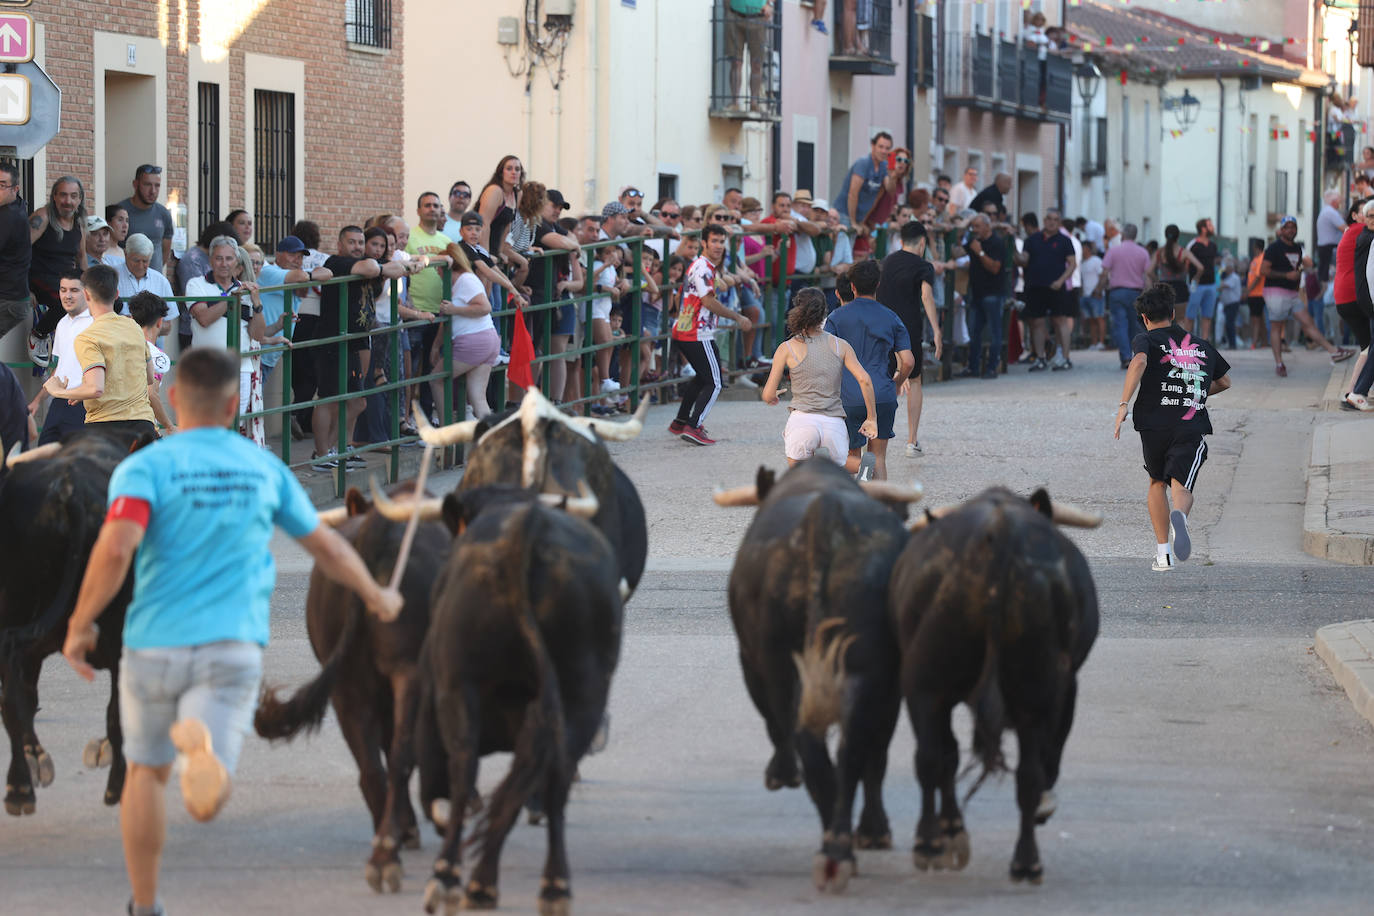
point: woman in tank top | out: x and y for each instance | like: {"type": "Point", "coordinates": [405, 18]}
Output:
{"type": "Point", "coordinates": [1171, 267]}
{"type": "Point", "coordinates": [816, 361]}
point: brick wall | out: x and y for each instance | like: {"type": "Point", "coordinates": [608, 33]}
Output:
{"type": "Point", "coordinates": [351, 113]}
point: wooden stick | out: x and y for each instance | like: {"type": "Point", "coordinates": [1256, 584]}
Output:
{"type": "Point", "coordinates": [411, 526]}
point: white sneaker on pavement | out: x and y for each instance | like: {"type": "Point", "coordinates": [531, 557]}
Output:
{"type": "Point", "coordinates": [913, 450]}
{"type": "Point", "coordinates": [867, 465]}
{"type": "Point", "coordinates": [1164, 563]}
{"type": "Point", "coordinates": [1183, 545]}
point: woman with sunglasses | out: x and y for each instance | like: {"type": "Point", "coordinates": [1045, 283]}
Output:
{"type": "Point", "coordinates": [894, 189]}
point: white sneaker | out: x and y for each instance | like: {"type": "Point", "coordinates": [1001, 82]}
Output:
{"type": "Point", "coordinates": [1183, 545]}
{"type": "Point", "coordinates": [1359, 402]}
{"type": "Point", "coordinates": [913, 450]}
{"type": "Point", "coordinates": [688, 371]}
{"type": "Point", "coordinates": [1164, 563]}
{"type": "Point", "coordinates": [468, 414]}
{"type": "Point", "coordinates": [610, 384]}
{"type": "Point", "coordinates": [746, 382]}
{"type": "Point", "coordinates": [40, 349]}
{"type": "Point", "coordinates": [867, 465]}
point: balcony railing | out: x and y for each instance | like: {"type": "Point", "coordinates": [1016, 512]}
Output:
{"type": "Point", "coordinates": [744, 65]}
{"type": "Point", "coordinates": [1007, 77]}
{"type": "Point", "coordinates": [863, 37]}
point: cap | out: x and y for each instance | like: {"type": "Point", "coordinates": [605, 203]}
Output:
{"type": "Point", "coordinates": [803, 196]}
{"type": "Point", "coordinates": [470, 218]}
{"type": "Point", "coordinates": [290, 243]}
{"type": "Point", "coordinates": [95, 224]}
{"type": "Point", "coordinates": [1288, 219]}
{"type": "Point", "coordinates": [614, 208]}
{"type": "Point", "coordinates": [558, 199]}
{"type": "Point", "coordinates": [820, 203]}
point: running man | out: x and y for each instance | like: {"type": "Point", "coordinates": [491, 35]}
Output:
{"type": "Point", "coordinates": [1282, 270]}
{"type": "Point", "coordinates": [198, 509]}
{"type": "Point", "coordinates": [1175, 373]}
{"type": "Point", "coordinates": [694, 334]}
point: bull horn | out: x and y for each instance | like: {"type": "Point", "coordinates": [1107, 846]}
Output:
{"type": "Point", "coordinates": [334, 517]}
{"type": "Point", "coordinates": [453, 434]}
{"type": "Point", "coordinates": [430, 508]}
{"type": "Point", "coordinates": [893, 492]}
{"type": "Point", "coordinates": [1074, 517]}
{"type": "Point", "coordinates": [33, 454]}
{"type": "Point", "coordinates": [737, 496]}
{"type": "Point", "coordinates": [616, 432]}
{"type": "Point", "coordinates": [583, 505]}
{"type": "Point", "coordinates": [931, 515]}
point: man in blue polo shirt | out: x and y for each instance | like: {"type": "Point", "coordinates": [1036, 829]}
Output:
{"type": "Point", "coordinates": [198, 510]}
{"type": "Point", "coordinates": [286, 270]}
{"type": "Point", "coordinates": [875, 332]}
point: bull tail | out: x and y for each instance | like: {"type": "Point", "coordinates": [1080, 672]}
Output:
{"type": "Point", "coordinates": [540, 748]}
{"type": "Point", "coordinates": [820, 664]}
{"type": "Point", "coordinates": [304, 711]}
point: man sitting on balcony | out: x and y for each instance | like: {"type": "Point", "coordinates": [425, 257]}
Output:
{"type": "Point", "coordinates": [746, 26]}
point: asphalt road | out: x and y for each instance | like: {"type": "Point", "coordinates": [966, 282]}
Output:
{"type": "Point", "coordinates": [1214, 765]}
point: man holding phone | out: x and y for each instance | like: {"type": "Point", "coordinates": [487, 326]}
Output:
{"type": "Point", "coordinates": [865, 181]}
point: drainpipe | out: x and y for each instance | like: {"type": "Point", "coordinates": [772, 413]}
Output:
{"type": "Point", "coordinates": [1221, 144]}
{"type": "Point", "coordinates": [775, 151]}
{"type": "Point", "coordinates": [1059, 172]}
{"type": "Point", "coordinates": [1319, 153]}
{"type": "Point", "coordinates": [589, 189]}
{"type": "Point", "coordinates": [912, 75]}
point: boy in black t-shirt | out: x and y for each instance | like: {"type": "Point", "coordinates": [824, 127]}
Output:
{"type": "Point", "coordinates": [1175, 373]}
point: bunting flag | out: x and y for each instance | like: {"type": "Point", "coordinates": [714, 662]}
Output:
{"type": "Point", "coordinates": [1123, 76]}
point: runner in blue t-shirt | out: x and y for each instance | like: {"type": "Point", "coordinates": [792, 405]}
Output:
{"type": "Point", "coordinates": [876, 333]}
{"type": "Point", "coordinates": [194, 514]}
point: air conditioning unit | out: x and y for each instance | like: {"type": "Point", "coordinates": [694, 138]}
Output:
{"type": "Point", "coordinates": [560, 7]}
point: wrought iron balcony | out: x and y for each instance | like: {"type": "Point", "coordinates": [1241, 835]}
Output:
{"type": "Point", "coordinates": [863, 37]}
{"type": "Point", "coordinates": [1006, 77]}
{"type": "Point", "coordinates": [744, 65]}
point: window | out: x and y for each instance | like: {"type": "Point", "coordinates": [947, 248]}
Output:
{"type": "Point", "coordinates": [1252, 151]}
{"type": "Point", "coordinates": [274, 165]}
{"type": "Point", "coordinates": [1125, 131]}
{"type": "Point", "coordinates": [369, 23]}
{"type": "Point", "coordinates": [1302, 163]}
{"type": "Point", "coordinates": [1278, 192]}
{"type": "Point", "coordinates": [806, 166]}
{"type": "Point", "coordinates": [207, 153]}
{"type": "Point", "coordinates": [667, 186]}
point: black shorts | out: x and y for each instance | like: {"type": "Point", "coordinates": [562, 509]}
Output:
{"type": "Point", "coordinates": [916, 330]}
{"type": "Point", "coordinates": [1256, 305]}
{"type": "Point", "coordinates": [1172, 454]}
{"type": "Point", "coordinates": [327, 371]}
{"type": "Point", "coordinates": [885, 413]}
{"type": "Point", "coordinates": [1046, 301]}
{"type": "Point", "coordinates": [127, 432]}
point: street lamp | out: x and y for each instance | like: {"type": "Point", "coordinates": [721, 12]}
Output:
{"type": "Point", "coordinates": [1087, 76]}
{"type": "Point", "coordinates": [1185, 108]}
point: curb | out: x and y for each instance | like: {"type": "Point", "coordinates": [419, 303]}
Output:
{"type": "Point", "coordinates": [1342, 377]}
{"type": "Point", "coordinates": [1348, 650]}
{"type": "Point", "coordinates": [1319, 539]}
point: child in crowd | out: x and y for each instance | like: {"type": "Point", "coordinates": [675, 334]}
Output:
{"type": "Point", "coordinates": [148, 311]}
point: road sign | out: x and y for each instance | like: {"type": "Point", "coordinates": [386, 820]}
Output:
{"type": "Point", "coordinates": [16, 38]}
{"type": "Point", "coordinates": [14, 99]}
{"type": "Point", "coordinates": [30, 109]}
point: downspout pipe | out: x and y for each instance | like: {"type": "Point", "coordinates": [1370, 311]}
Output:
{"type": "Point", "coordinates": [1221, 145]}
{"type": "Point", "coordinates": [775, 152]}
{"type": "Point", "coordinates": [912, 76]}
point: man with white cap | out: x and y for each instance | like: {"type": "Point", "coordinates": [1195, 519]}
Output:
{"type": "Point", "coordinates": [98, 237]}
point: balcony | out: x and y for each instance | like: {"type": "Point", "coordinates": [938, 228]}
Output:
{"type": "Point", "coordinates": [863, 37]}
{"type": "Point", "coordinates": [1007, 78]}
{"type": "Point", "coordinates": [744, 66]}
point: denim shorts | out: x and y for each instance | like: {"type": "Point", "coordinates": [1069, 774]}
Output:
{"type": "Point", "coordinates": [216, 683]}
{"type": "Point", "coordinates": [854, 417]}
{"type": "Point", "coordinates": [1202, 301]}
{"type": "Point", "coordinates": [1093, 306]}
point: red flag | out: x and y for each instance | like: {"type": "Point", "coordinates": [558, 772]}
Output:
{"type": "Point", "coordinates": [521, 353]}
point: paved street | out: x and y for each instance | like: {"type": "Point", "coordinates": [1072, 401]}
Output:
{"type": "Point", "coordinates": [1214, 765]}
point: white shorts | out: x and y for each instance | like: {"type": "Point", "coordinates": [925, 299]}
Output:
{"type": "Point", "coordinates": [806, 432]}
{"type": "Point", "coordinates": [601, 308]}
{"type": "Point", "coordinates": [1281, 304]}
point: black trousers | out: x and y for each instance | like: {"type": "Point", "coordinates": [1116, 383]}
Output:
{"type": "Point", "coordinates": [699, 393]}
{"type": "Point", "coordinates": [303, 381]}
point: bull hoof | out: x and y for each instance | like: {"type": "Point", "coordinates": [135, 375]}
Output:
{"type": "Point", "coordinates": [481, 897]}
{"type": "Point", "coordinates": [928, 854]}
{"type": "Point", "coordinates": [40, 766]}
{"type": "Point", "coordinates": [383, 872]}
{"type": "Point", "coordinates": [555, 897]}
{"type": "Point", "coordinates": [442, 890]}
{"type": "Point", "coordinates": [19, 802]}
{"type": "Point", "coordinates": [863, 840]}
{"type": "Point", "coordinates": [1034, 872]}
{"type": "Point", "coordinates": [956, 854]}
{"type": "Point", "coordinates": [782, 771]}
{"type": "Point", "coordinates": [1045, 810]}
{"type": "Point", "coordinates": [831, 876]}
{"type": "Point", "coordinates": [98, 754]}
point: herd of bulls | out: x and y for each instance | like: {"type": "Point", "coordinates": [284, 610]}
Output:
{"type": "Point", "coordinates": [514, 588]}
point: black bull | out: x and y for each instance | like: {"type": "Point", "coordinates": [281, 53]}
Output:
{"type": "Point", "coordinates": [808, 597]}
{"type": "Point", "coordinates": [996, 608]}
{"type": "Point", "coordinates": [52, 504]}
{"type": "Point", "coordinates": [525, 636]}
{"type": "Point", "coordinates": [368, 673]}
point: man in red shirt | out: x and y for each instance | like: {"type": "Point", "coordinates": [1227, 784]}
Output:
{"type": "Point", "coordinates": [694, 335]}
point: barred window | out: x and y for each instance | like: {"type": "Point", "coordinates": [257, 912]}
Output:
{"type": "Point", "coordinates": [369, 23]}
{"type": "Point", "coordinates": [207, 153]}
{"type": "Point", "coordinates": [274, 166]}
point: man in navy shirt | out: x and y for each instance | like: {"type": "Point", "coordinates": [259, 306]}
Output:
{"type": "Point", "coordinates": [1048, 261]}
{"type": "Point", "coordinates": [875, 332]}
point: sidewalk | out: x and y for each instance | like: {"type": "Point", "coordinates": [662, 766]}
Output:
{"type": "Point", "coordinates": [1339, 520]}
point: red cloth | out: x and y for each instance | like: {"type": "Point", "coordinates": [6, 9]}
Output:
{"type": "Point", "coordinates": [131, 509]}
{"type": "Point", "coordinates": [521, 353]}
{"type": "Point", "coordinates": [1344, 288]}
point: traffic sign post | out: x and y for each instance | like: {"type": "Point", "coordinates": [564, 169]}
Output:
{"type": "Point", "coordinates": [14, 99]}
{"type": "Point", "coordinates": [30, 108]}
{"type": "Point", "coordinates": [16, 38]}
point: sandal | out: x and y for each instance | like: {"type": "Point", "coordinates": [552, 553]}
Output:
{"type": "Point", "coordinates": [1341, 355]}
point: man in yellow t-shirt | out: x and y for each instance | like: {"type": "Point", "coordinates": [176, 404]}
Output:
{"type": "Point", "coordinates": [426, 289]}
{"type": "Point", "coordinates": [114, 361]}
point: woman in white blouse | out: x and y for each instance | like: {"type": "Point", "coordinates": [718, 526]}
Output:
{"type": "Point", "coordinates": [476, 344]}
